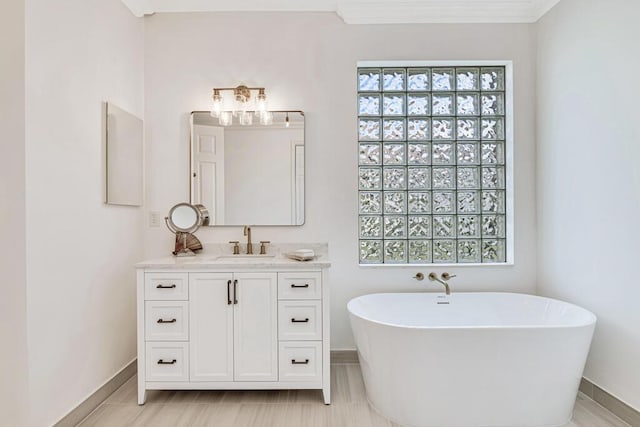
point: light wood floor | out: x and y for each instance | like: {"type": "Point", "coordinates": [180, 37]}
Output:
{"type": "Point", "coordinates": [281, 408]}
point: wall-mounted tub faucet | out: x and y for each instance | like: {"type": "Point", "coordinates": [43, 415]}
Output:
{"type": "Point", "coordinates": [445, 277]}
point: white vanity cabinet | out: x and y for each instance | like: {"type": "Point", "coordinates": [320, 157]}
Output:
{"type": "Point", "coordinates": [206, 326]}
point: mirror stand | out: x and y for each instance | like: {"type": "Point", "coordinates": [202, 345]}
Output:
{"type": "Point", "coordinates": [183, 220]}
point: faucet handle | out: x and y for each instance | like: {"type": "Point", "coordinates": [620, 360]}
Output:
{"type": "Point", "coordinates": [447, 276]}
{"type": "Point", "coordinates": [236, 247]}
{"type": "Point", "coordinates": [263, 246]}
{"type": "Point", "coordinates": [433, 276]}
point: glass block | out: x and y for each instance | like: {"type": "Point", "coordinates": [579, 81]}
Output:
{"type": "Point", "coordinates": [419, 202]}
{"type": "Point", "coordinates": [393, 104]}
{"type": "Point", "coordinates": [467, 104]}
{"type": "Point", "coordinates": [371, 251]}
{"type": "Point", "coordinates": [369, 154]}
{"type": "Point", "coordinates": [395, 202]}
{"type": "Point", "coordinates": [442, 104]}
{"type": "Point", "coordinates": [444, 251]}
{"type": "Point", "coordinates": [492, 104]}
{"type": "Point", "coordinates": [395, 227]}
{"type": "Point", "coordinates": [443, 154]}
{"type": "Point", "coordinates": [369, 130]}
{"type": "Point", "coordinates": [444, 178]}
{"type": "Point", "coordinates": [444, 202]}
{"type": "Point", "coordinates": [442, 129]}
{"type": "Point", "coordinates": [419, 178]}
{"type": "Point", "coordinates": [493, 201]}
{"type": "Point", "coordinates": [393, 79]}
{"type": "Point", "coordinates": [467, 153]}
{"type": "Point", "coordinates": [369, 105]}
{"type": "Point", "coordinates": [395, 178]}
{"type": "Point", "coordinates": [468, 202]}
{"type": "Point", "coordinates": [419, 154]}
{"type": "Point", "coordinates": [418, 79]}
{"type": "Point", "coordinates": [395, 251]}
{"type": "Point", "coordinates": [468, 177]}
{"type": "Point", "coordinates": [493, 153]}
{"type": "Point", "coordinates": [493, 251]}
{"type": "Point", "coordinates": [418, 104]}
{"type": "Point", "coordinates": [492, 78]}
{"type": "Point", "coordinates": [370, 202]}
{"type": "Point", "coordinates": [393, 130]}
{"type": "Point", "coordinates": [467, 79]}
{"type": "Point", "coordinates": [394, 154]}
{"type": "Point", "coordinates": [369, 80]}
{"type": "Point", "coordinates": [468, 129]}
{"type": "Point", "coordinates": [369, 178]}
{"type": "Point", "coordinates": [493, 226]}
{"type": "Point", "coordinates": [468, 226]}
{"type": "Point", "coordinates": [370, 227]}
{"type": "Point", "coordinates": [469, 251]}
{"type": "Point", "coordinates": [492, 128]}
{"type": "Point", "coordinates": [419, 129]}
{"type": "Point", "coordinates": [444, 226]}
{"type": "Point", "coordinates": [493, 177]}
{"type": "Point", "coordinates": [442, 79]}
{"type": "Point", "coordinates": [420, 227]}
{"type": "Point", "coordinates": [419, 251]}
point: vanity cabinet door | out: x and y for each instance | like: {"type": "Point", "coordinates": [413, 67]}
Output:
{"type": "Point", "coordinates": [211, 327]}
{"type": "Point", "coordinates": [256, 327]}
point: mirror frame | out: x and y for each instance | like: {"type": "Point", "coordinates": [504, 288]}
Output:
{"type": "Point", "coordinates": [304, 183]}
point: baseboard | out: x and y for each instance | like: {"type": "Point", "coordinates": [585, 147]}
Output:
{"type": "Point", "coordinates": [614, 405]}
{"type": "Point", "coordinates": [81, 411]}
{"type": "Point", "coordinates": [344, 356]}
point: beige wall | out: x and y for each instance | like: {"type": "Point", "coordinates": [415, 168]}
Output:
{"type": "Point", "coordinates": [589, 177]}
{"type": "Point", "coordinates": [13, 308]}
{"type": "Point", "coordinates": [80, 252]}
{"type": "Point", "coordinates": [308, 61]}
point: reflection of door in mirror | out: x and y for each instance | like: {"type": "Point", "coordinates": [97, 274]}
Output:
{"type": "Point", "coordinates": [208, 170]}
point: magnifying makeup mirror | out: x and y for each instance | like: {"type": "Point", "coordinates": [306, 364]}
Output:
{"type": "Point", "coordinates": [183, 220]}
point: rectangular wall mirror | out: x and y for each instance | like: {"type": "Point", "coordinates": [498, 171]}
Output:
{"type": "Point", "coordinates": [249, 174]}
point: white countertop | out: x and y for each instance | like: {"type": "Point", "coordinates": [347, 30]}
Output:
{"type": "Point", "coordinates": [219, 256]}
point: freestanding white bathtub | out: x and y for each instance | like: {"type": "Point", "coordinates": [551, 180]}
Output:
{"type": "Point", "coordinates": [471, 359]}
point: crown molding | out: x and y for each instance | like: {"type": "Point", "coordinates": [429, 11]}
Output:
{"type": "Point", "coordinates": [368, 11]}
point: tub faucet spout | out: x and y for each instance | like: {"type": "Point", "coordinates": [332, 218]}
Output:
{"type": "Point", "coordinates": [434, 277]}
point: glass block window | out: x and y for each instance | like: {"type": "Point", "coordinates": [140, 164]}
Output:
{"type": "Point", "coordinates": [432, 172]}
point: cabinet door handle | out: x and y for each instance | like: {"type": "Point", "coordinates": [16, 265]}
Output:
{"type": "Point", "coordinates": [294, 320]}
{"type": "Point", "coordinates": [235, 292]}
{"type": "Point", "coordinates": [161, 286]}
{"type": "Point", "coordinates": [293, 285]}
{"type": "Point", "coordinates": [167, 321]}
{"type": "Point", "coordinates": [162, 362]}
{"type": "Point", "coordinates": [295, 362]}
{"type": "Point", "coordinates": [228, 292]}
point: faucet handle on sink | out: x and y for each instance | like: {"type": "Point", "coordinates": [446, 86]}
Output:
{"type": "Point", "coordinates": [263, 246]}
{"type": "Point", "coordinates": [236, 246]}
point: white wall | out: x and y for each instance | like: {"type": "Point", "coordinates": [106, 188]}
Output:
{"type": "Point", "coordinates": [589, 177]}
{"type": "Point", "coordinates": [80, 252]}
{"type": "Point", "coordinates": [13, 308]}
{"type": "Point", "coordinates": [308, 61]}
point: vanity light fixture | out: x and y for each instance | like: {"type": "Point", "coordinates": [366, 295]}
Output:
{"type": "Point", "coordinates": [242, 96]}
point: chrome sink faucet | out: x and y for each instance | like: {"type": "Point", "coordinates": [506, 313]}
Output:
{"type": "Point", "coordinates": [445, 277]}
{"type": "Point", "coordinates": [247, 232]}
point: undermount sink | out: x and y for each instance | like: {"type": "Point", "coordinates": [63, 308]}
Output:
{"type": "Point", "coordinates": [243, 257]}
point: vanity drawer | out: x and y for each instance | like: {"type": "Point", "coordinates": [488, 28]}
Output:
{"type": "Point", "coordinates": [167, 361]}
{"type": "Point", "coordinates": [300, 320]}
{"type": "Point", "coordinates": [166, 286]}
{"type": "Point", "coordinates": [166, 321]}
{"type": "Point", "coordinates": [300, 361]}
{"type": "Point", "coordinates": [303, 285]}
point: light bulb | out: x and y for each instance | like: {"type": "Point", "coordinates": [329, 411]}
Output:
{"type": "Point", "coordinates": [218, 104]}
{"type": "Point", "coordinates": [286, 121]}
{"type": "Point", "coordinates": [226, 118]}
{"type": "Point", "coordinates": [261, 102]}
{"type": "Point", "coordinates": [266, 118]}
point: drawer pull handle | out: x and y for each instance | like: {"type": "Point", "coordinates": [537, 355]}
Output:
{"type": "Point", "coordinates": [161, 286]}
{"type": "Point", "coordinates": [295, 362]}
{"type": "Point", "coordinates": [162, 362]}
{"type": "Point", "coordinates": [167, 321]}
{"type": "Point", "coordinates": [293, 285]}
{"type": "Point", "coordinates": [294, 320]}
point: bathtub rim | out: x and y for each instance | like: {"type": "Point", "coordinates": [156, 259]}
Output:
{"type": "Point", "coordinates": [591, 322]}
